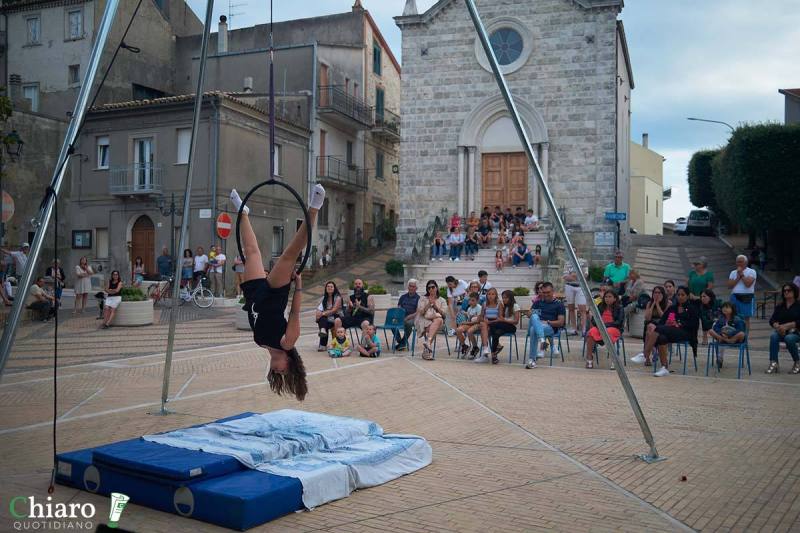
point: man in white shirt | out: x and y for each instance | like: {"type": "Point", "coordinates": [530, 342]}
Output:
{"type": "Point", "coordinates": [483, 279]}
{"type": "Point", "coordinates": [531, 222]}
{"type": "Point", "coordinates": [200, 264]}
{"type": "Point", "coordinates": [456, 291]}
{"type": "Point", "coordinates": [742, 283]}
{"type": "Point", "coordinates": [20, 257]}
{"type": "Point", "coordinates": [456, 243]}
{"type": "Point", "coordinates": [217, 273]}
{"type": "Point", "coordinates": [574, 296]}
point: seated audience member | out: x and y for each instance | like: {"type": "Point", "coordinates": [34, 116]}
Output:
{"type": "Point", "coordinates": [678, 324]}
{"type": "Point", "coordinates": [438, 248]}
{"type": "Point", "coordinates": [456, 292]}
{"type": "Point", "coordinates": [408, 302]}
{"type": "Point", "coordinates": [669, 289]}
{"type": "Point", "coordinates": [484, 232]}
{"type": "Point", "coordinates": [431, 313]}
{"type": "Point", "coordinates": [634, 288]}
{"type": "Point", "coordinates": [455, 221]}
{"type": "Point", "coordinates": [483, 281]}
{"type": "Point", "coordinates": [727, 329]}
{"type": "Point", "coordinates": [40, 301]}
{"type": "Point", "coordinates": [547, 316]}
{"type": "Point", "coordinates": [613, 317]}
{"type": "Point", "coordinates": [502, 235]}
{"type": "Point", "coordinates": [340, 345]}
{"type": "Point", "coordinates": [519, 216]}
{"type": "Point", "coordinates": [653, 311]}
{"type": "Point", "coordinates": [496, 217]}
{"type": "Point", "coordinates": [370, 345]}
{"type": "Point", "coordinates": [537, 255]}
{"type": "Point", "coordinates": [456, 243]}
{"type": "Point", "coordinates": [469, 326]}
{"type": "Point", "coordinates": [490, 314]}
{"type": "Point", "coordinates": [785, 322]}
{"type": "Point", "coordinates": [486, 213]}
{"type": "Point", "coordinates": [709, 312]}
{"type": "Point", "coordinates": [360, 307]}
{"type": "Point", "coordinates": [618, 272]}
{"type": "Point", "coordinates": [531, 221]}
{"type": "Point", "coordinates": [473, 221]}
{"type": "Point", "coordinates": [699, 278]}
{"type": "Point", "coordinates": [506, 323]}
{"type": "Point", "coordinates": [522, 253]}
{"type": "Point", "coordinates": [471, 244]}
{"type": "Point", "coordinates": [508, 215]}
{"type": "Point", "coordinates": [328, 310]}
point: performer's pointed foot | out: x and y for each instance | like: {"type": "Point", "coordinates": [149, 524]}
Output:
{"type": "Point", "coordinates": [317, 197]}
{"type": "Point", "coordinates": [237, 202]}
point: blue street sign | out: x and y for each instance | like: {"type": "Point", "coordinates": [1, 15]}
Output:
{"type": "Point", "coordinates": [610, 215]}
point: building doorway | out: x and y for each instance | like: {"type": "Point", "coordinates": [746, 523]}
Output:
{"type": "Point", "coordinates": [505, 180]}
{"type": "Point", "coordinates": [143, 243]}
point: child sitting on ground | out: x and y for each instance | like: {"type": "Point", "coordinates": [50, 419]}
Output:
{"type": "Point", "coordinates": [370, 345]}
{"type": "Point", "coordinates": [340, 344]}
{"type": "Point", "coordinates": [469, 326]}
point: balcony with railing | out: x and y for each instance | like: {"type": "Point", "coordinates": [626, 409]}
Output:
{"type": "Point", "coordinates": [387, 125]}
{"type": "Point", "coordinates": [135, 180]}
{"type": "Point", "coordinates": [335, 172]}
{"type": "Point", "coordinates": [346, 109]}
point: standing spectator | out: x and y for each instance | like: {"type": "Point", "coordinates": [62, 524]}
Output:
{"type": "Point", "coordinates": [431, 313]}
{"type": "Point", "coordinates": [754, 255]}
{"type": "Point", "coordinates": [742, 283]}
{"type": "Point", "coordinates": [498, 260]}
{"type": "Point", "coordinates": [4, 293]}
{"type": "Point", "coordinates": [83, 284]}
{"type": "Point", "coordinates": [138, 272]}
{"type": "Point", "coordinates": [531, 222]}
{"type": "Point", "coordinates": [785, 321]}
{"type": "Point", "coordinates": [617, 272]}
{"type": "Point", "coordinates": [187, 267]}
{"type": "Point", "coordinates": [113, 299]}
{"type": "Point", "coordinates": [709, 312]}
{"type": "Point", "coordinates": [218, 274]}
{"type": "Point", "coordinates": [522, 253]}
{"type": "Point", "coordinates": [39, 301]}
{"type": "Point", "coordinates": [409, 303]}
{"type": "Point", "coordinates": [164, 264]}
{"type": "Point", "coordinates": [324, 259]}
{"type": "Point", "coordinates": [20, 257]}
{"type": "Point", "coordinates": [796, 281]}
{"type": "Point", "coordinates": [456, 243]}
{"type": "Point", "coordinates": [574, 296]}
{"type": "Point", "coordinates": [669, 291]}
{"type": "Point", "coordinates": [360, 307]}
{"type": "Point", "coordinates": [678, 324]}
{"type": "Point", "coordinates": [699, 279]}
{"type": "Point", "coordinates": [238, 273]}
{"type": "Point", "coordinates": [456, 292]}
{"type": "Point", "coordinates": [506, 322]}
{"type": "Point", "coordinates": [455, 221]}
{"type": "Point", "coordinates": [439, 248]}
{"type": "Point", "coordinates": [613, 316]}
{"type": "Point", "coordinates": [547, 316]}
{"type": "Point", "coordinates": [56, 273]}
{"type": "Point", "coordinates": [329, 309]}
{"type": "Point", "coordinates": [200, 265]}
{"type": "Point", "coordinates": [727, 329]}
{"type": "Point", "coordinates": [762, 259]}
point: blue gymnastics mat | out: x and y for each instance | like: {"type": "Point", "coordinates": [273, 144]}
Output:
{"type": "Point", "coordinates": [209, 487]}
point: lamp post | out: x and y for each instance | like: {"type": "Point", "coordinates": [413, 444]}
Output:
{"type": "Point", "coordinates": [170, 211]}
{"type": "Point", "coordinates": [712, 121]}
{"type": "Point", "coordinates": [12, 144]}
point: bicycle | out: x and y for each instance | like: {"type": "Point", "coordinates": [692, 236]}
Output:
{"type": "Point", "coordinates": [200, 295]}
{"type": "Point", "coordinates": [160, 291]}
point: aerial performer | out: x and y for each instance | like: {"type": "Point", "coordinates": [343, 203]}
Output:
{"type": "Point", "coordinates": [266, 295]}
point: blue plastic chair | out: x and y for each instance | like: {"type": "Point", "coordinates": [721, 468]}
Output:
{"type": "Point", "coordinates": [682, 351]}
{"type": "Point", "coordinates": [744, 353]}
{"type": "Point", "coordinates": [620, 346]}
{"type": "Point", "coordinates": [446, 340]}
{"type": "Point", "coordinates": [552, 338]}
{"type": "Point", "coordinates": [395, 321]}
{"type": "Point", "coordinates": [512, 347]}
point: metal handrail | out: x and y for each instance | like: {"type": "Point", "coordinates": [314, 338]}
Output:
{"type": "Point", "coordinates": [335, 98]}
{"type": "Point", "coordinates": [135, 179]}
{"type": "Point", "coordinates": [331, 168]}
{"type": "Point", "coordinates": [387, 120]}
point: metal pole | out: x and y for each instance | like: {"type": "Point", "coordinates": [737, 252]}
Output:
{"type": "Point", "coordinates": [45, 213]}
{"type": "Point", "coordinates": [562, 232]}
{"type": "Point", "coordinates": [172, 229]}
{"type": "Point", "coordinates": [198, 105]}
{"type": "Point", "coordinates": [272, 99]}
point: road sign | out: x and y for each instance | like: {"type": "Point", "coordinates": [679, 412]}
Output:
{"type": "Point", "coordinates": [205, 213]}
{"type": "Point", "coordinates": [224, 225]}
{"type": "Point", "coordinates": [8, 207]}
{"type": "Point", "coordinates": [610, 215]}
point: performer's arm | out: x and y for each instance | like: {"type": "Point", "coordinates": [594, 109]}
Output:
{"type": "Point", "coordinates": [293, 324]}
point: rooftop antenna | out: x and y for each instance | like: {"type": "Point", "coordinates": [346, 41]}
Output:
{"type": "Point", "coordinates": [231, 13]}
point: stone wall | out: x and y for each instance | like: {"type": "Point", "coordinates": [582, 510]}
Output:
{"type": "Point", "coordinates": [569, 79]}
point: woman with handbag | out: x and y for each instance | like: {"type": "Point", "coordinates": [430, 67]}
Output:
{"type": "Point", "coordinates": [431, 312]}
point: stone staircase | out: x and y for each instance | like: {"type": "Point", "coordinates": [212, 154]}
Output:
{"type": "Point", "coordinates": [467, 269]}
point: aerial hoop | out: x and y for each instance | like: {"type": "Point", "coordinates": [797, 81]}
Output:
{"type": "Point", "coordinates": [299, 201]}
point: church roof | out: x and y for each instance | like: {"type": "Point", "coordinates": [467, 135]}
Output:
{"type": "Point", "coordinates": [427, 16]}
{"type": "Point", "coordinates": [790, 92]}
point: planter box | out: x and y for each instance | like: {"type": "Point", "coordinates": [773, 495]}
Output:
{"type": "Point", "coordinates": [636, 324]}
{"type": "Point", "coordinates": [382, 301]}
{"type": "Point", "coordinates": [241, 319]}
{"type": "Point", "coordinates": [524, 302]}
{"type": "Point", "coordinates": [134, 314]}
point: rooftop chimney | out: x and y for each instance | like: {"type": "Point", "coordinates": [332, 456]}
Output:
{"type": "Point", "coordinates": [645, 138]}
{"type": "Point", "coordinates": [248, 85]}
{"type": "Point", "coordinates": [411, 8]}
{"type": "Point", "coordinates": [222, 35]}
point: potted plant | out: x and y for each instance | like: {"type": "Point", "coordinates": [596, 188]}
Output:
{"type": "Point", "coordinates": [395, 268]}
{"type": "Point", "coordinates": [380, 297]}
{"type": "Point", "coordinates": [135, 310]}
{"type": "Point", "coordinates": [242, 322]}
{"type": "Point", "coordinates": [596, 273]}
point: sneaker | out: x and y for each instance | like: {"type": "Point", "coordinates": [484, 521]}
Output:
{"type": "Point", "coordinates": [556, 350]}
{"type": "Point", "coordinates": [451, 332]}
{"type": "Point", "coordinates": [572, 331]}
{"type": "Point", "coordinates": [661, 372]}
{"type": "Point", "coordinates": [612, 367]}
{"type": "Point", "coordinates": [322, 332]}
{"type": "Point", "coordinates": [481, 359]}
{"type": "Point", "coordinates": [638, 358]}
{"type": "Point", "coordinates": [317, 197]}
{"type": "Point", "coordinates": [530, 364]}
{"type": "Point", "coordinates": [539, 354]}
{"type": "Point", "coordinates": [474, 352]}
{"type": "Point", "coordinates": [464, 350]}
{"type": "Point", "coordinates": [457, 259]}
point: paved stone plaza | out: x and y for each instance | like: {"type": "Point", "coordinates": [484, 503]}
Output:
{"type": "Point", "coordinates": [514, 449]}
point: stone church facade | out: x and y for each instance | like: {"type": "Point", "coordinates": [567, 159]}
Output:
{"type": "Point", "coordinates": [566, 63]}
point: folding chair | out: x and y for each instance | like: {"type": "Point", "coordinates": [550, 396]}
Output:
{"type": "Point", "coordinates": [395, 321]}
{"type": "Point", "coordinates": [682, 351]}
{"type": "Point", "coordinates": [552, 338]}
{"type": "Point", "coordinates": [744, 353]}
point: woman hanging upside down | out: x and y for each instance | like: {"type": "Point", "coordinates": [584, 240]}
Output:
{"type": "Point", "coordinates": [266, 299]}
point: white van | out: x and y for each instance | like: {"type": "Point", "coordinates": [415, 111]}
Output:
{"type": "Point", "coordinates": [701, 222]}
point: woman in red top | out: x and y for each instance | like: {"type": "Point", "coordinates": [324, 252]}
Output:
{"type": "Point", "coordinates": [613, 317]}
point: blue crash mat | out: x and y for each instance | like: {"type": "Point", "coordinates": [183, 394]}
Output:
{"type": "Point", "coordinates": [195, 484]}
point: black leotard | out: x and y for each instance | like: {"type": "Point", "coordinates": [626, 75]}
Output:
{"type": "Point", "coordinates": [265, 308]}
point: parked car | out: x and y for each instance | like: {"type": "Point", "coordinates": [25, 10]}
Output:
{"type": "Point", "coordinates": [701, 222]}
{"type": "Point", "coordinates": [680, 226]}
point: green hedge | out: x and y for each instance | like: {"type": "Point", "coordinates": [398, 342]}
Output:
{"type": "Point", "coordinates": [132, 294]}
{"type": "Point", "coordinates": [701, 189]}
{"type": "Point", "coordinates": [377, 289]}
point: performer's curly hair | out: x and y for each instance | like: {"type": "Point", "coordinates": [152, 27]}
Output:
{"type": "Point", "coordinates": [293, 381]}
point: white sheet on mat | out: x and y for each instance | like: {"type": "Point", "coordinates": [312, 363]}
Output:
{"type": "Point", "coordinates": [330, 455]}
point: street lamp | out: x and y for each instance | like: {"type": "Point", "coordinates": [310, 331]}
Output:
{"type": "Point", "coordinates": [170, 211]}
{"type": "Point", "coordinates": [12, 145]}
{"type": "Point", "coordinates": [712, 121]}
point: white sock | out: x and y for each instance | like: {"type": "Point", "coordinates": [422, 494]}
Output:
{"type": "Point", "coordinates": [237, 202]}
{"type": "Point", "coordinates": [317, 197]}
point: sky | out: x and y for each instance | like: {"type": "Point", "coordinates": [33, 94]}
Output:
{"type": "Point", "coordinates": [715, 59]}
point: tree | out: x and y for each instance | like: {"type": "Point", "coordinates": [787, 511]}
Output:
{"type": "Point", "coordinates": [701, 191]}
